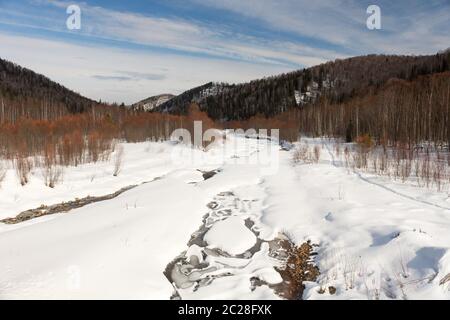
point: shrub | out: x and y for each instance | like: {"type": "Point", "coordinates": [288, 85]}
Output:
{"type": "Point", "coordinates": [365, 141]}
{"type": "Point", "coordinates": [118, 160]}
{"type": "Point", "coordinates": [300, 154]}
{"type": "Point", "coordinates": [52, 175]}
{"type": "Point", "coordinates": [23, 168]}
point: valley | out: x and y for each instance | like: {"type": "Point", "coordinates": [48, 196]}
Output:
{"type": "Point", "coordinates": [372, 238]}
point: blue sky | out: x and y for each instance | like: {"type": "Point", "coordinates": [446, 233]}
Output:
{"type": "Point", "coordinates": [128, 50]}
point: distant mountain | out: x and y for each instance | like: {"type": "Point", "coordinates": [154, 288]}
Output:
{"type": "Point", "coordinates": [151, 103]}
{"type": "Point", "coordinates": [335, 81]}
{"type": "Point", "coordinates": [180, 103]}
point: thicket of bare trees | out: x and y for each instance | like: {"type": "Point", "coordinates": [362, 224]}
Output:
{"type": "Point", "coordinates": [305, 153]}
{"type": "Point", "coordinates": [82, 138]}
{"type": "Point", "coordinates": [400, 112]}
{"type": "Point", "coordinates": [427, 167]}
{"type": "Point", "coordinates": [286, 122]}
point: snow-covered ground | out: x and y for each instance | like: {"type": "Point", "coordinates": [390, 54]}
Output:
{"type": "Point", "coordinates": [375, 238]}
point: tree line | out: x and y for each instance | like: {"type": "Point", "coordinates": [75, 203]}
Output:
{"type": "Point", "coordinates": [401, 111]}
{"type": "Point", "coordinates": [22, 91]}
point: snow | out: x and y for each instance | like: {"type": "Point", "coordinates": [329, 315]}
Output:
{"type": "Point", "coordinates": [113, 249]}
{"type": "Point", "coordinates": [155, 104]}
{"type": "Point", "coordinates": [235, 285]}
{"type": "Point", "coordinates": [219, 236]}
{"type": "Point", "coordinates": [373, 243]}
{"type": "Point", "coordinates": [376, 238]}
{"type": "Point", "coordinates": [142, 162]}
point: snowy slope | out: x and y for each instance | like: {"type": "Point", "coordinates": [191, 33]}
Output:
{"type": "Point", "coordinates": [373, 243]}
{"type": "Point", "coordinates": [376, 238]}
{"type": "Point", "coordinates": [115, 249]}
{"type": "Point", "coordinates": [153, 102]}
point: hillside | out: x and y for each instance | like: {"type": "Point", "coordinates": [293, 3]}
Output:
{"type": "Point", "coordinates": [26, 93]}
{"type": "Point", "coordinates": [335, 81]}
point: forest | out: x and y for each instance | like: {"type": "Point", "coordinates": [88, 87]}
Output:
{"type": "Point", "coordinates": [337, 81]}
{"type": "Point", "coordinates": [400, 111]}
{"type": "Point", "coordinates": [26, 93]}
{"type": "Point", "coordinates": [392, 101]}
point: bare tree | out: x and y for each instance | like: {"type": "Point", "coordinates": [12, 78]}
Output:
{"type": "Point", "coordinates": [2, 172]}
{"type": "Point", "coordinates": [23, 168]}
{"type": "Point", "coordinates": [53, 175]}
{"type": "Point", "coordinates": [316, 154]}
{"type": "Point", "coordinates": [118, 160]}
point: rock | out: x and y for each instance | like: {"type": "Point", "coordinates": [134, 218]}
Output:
{"type": "Point", "coordinates": [331, 290]}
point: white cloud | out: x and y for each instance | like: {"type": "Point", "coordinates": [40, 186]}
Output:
{"type": "Point", "coordinates": [408, 27]}
{"type": "Point", "coordinates": [196, 37]}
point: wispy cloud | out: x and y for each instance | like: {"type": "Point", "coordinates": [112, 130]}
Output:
{"type": "Point", "coordinates": [315, 31]}
{"type": "Point", "coordinates": [409, 26]}
{"type": "Point", "coordinates": [130, 76]}
{"type": "Point", "coordinates": [112, 78]}
{"type": "Point", "coordinates": [191, 36]}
